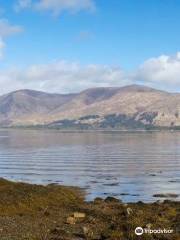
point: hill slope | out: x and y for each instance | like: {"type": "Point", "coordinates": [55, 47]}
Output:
{"type": "Point", "coordinates": [130, 106]}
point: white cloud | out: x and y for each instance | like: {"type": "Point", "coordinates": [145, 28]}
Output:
{"type": "Point", "coordinates": [56, 7]}
{"type": "Point", "coordinates": [61, 77]}
{"type": "Point", "coordinates": [2, 46]}
{"type": "Point", "coordinates": [6, 30]}
{"type": "Point", "coordinates": [22, 4]}
{"type": "Point", "coordinates": [163, 70]}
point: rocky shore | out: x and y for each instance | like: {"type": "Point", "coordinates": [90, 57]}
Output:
{"type": "Point", "coordinates": [33, 212]}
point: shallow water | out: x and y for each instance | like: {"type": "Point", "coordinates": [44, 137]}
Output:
{"type": "Point", "coordinates": [130, 166]}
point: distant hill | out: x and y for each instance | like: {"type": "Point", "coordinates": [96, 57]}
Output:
{"type": "Point", "coordinates": [132, 106]}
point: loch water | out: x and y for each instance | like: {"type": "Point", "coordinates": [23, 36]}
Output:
{"type": "Point", "coordinates": [132, 166]}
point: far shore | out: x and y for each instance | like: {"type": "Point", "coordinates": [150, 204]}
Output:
{"type": "Point", "coordinates": [90, 130]}
{"type": "Point", "coordinates": [53, 212]}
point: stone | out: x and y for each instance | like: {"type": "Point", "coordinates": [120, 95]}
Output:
{"type": "Point", "coordinates": [79, 215]}
{"type": "Point", "coordinates": [85, 230]}
{"type": "Point", "coordinates": [168, 195]}
{"type": "Point", "coordinates": [71, 220]}
{"type": "Point", "coordinates": [88, 232]}
{"type": "Point", "coordinates": [98, 200]}
{"type": "Point", "coordinates": [111, 199]}
{"type": "Point", "coordinates": [129, 211]}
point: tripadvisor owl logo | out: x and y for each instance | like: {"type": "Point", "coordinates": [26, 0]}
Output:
{"type": "Point", "coordinates": [139, 231]}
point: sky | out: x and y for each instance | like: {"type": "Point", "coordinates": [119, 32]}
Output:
{"type": "Point", "coordinates": [70, 45]}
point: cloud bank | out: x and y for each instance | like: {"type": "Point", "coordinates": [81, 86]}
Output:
{"type": "Point", "coordinates": [61, 77]}
{"type": "Point", "coordinates": [64, 77]}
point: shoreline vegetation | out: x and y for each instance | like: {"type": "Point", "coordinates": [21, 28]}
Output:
{"type": "Point", "coordinates": [54, 212]}
{"type": "Point", "coordinates": [69, 129]}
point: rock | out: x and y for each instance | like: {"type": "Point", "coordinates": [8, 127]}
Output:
{"type": "Point", "coordinates": [167, 201]}
{"type": "Point", "coordinates": [168, 195]}
{"type": "Point", "coordinates": [85, 230]}
{"type": "Point", "coordinates": [98, 200]}
{"type": "Point", "coordinates": [58, 231]}
{"type": "Point", "coordinates": [71, 220]}
{"type": "Point", "coordinates": [111, 184]}
{"type": "Point", "coordinates": [129, 211]}
{"type": "Point", "coordinates": [88, 232]}
{"type": "Point", "coordinates": [111, 199]}
{"type": "Point", "coordinates": [76, 215]}
{"type": "Point", "coordinates": [79, 215]}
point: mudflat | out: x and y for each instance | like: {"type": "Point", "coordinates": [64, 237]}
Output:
{"type": "Point", "coordinates": [53, 212]}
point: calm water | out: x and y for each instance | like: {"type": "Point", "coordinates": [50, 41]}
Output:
{"type": "Point", "coordinates": [130, 166]}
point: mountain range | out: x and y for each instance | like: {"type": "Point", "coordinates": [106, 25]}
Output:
{"type": "Point", "coordinates": [131, 106]}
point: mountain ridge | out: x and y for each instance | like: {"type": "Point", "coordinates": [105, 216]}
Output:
{"type": "Point", "coordinates": [133, 104]}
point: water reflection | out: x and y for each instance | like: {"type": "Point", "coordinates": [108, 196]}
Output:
{"type": "Point", "coordinates": [131, 166]}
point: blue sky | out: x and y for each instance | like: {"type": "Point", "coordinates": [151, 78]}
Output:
{"type": "Point", "coordinates": [103, 43]}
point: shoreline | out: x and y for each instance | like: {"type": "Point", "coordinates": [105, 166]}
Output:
{"type": "Point", "coordinates": [33, 212]}
{"type": "Point", "coordinates": [69, 130]}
